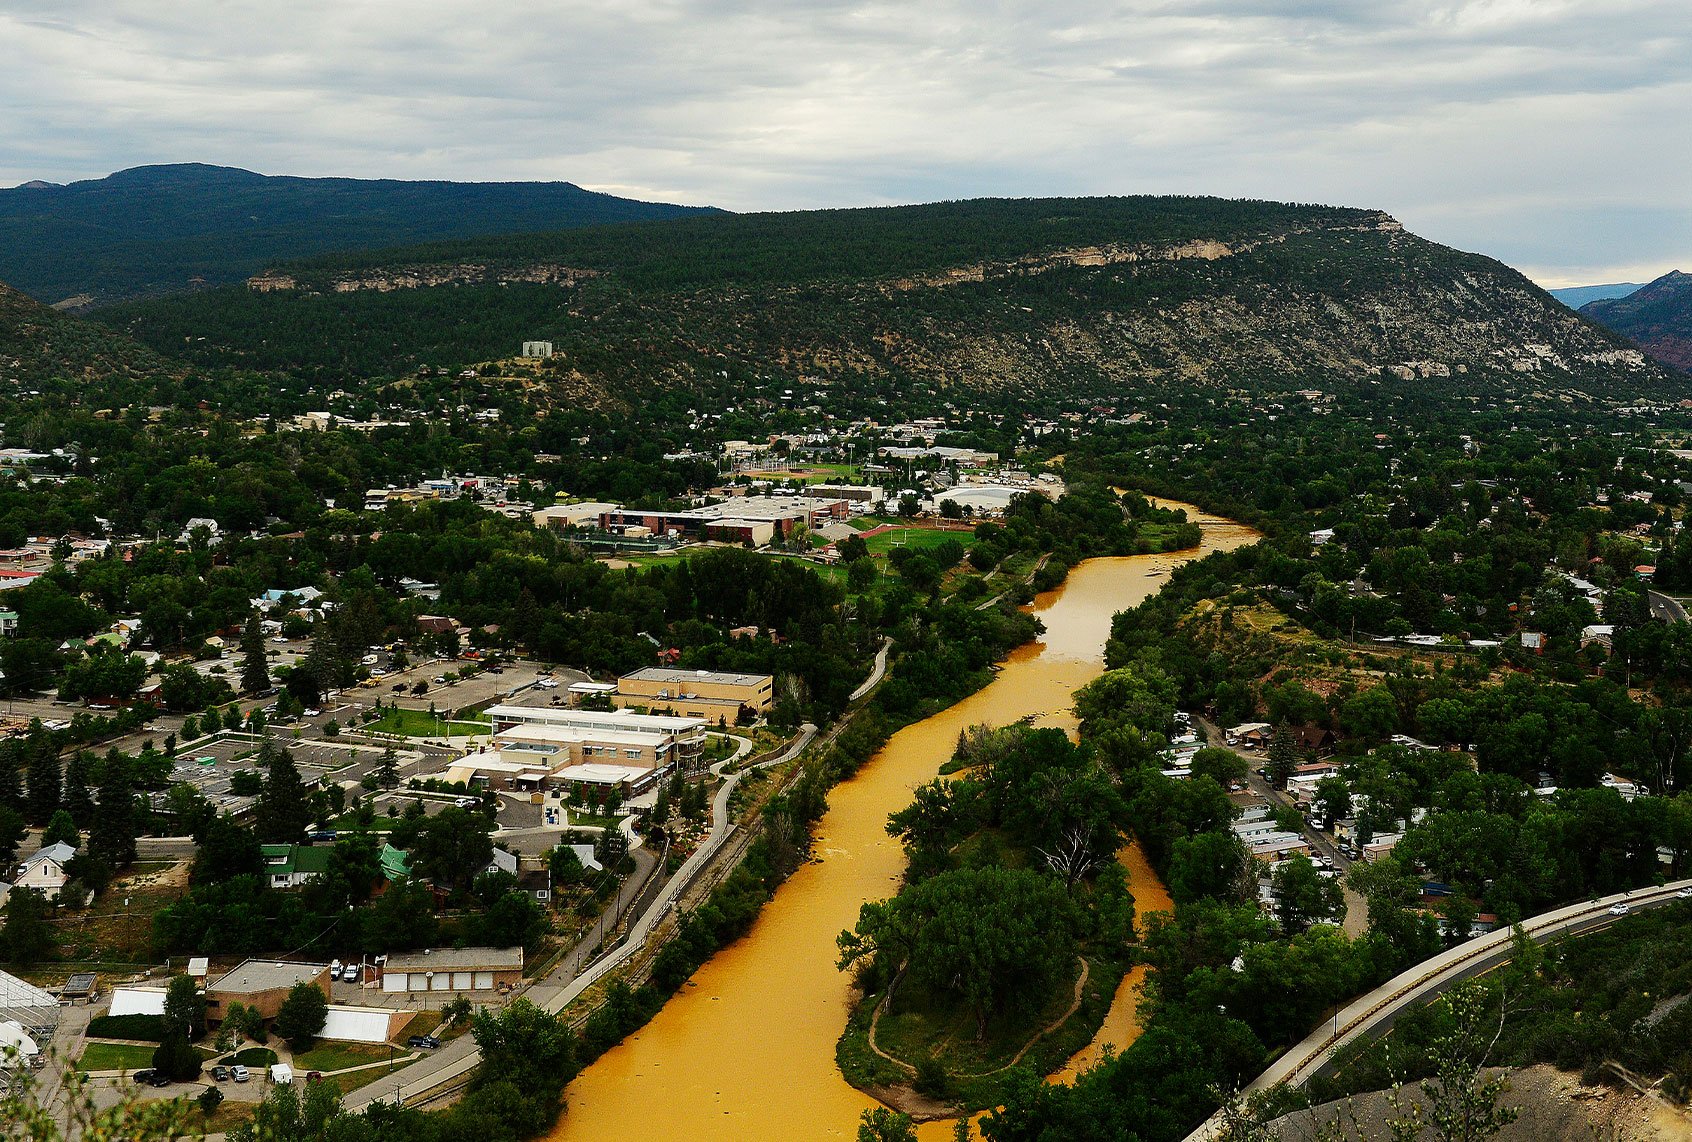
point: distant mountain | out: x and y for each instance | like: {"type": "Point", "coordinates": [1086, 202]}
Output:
{"type": "Point", "coordinates": [1658, 316]}
{"type": "Point", "coordinates": [1576, 296]}
{"type": "Point", "coordinates": [1106, 297]}
{"type": "Point", "coordinates": [39, 344]}
{"type": "Point", "coordinates": [162, 229]}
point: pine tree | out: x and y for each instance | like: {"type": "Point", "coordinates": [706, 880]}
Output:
{"type": "Point", "coordinates": [255, 671]}
{"type": "Point", "coordinates": [387, 770]}
{"type": "Point", "coordinates": [45, 777]}
{"type": "Point", "coordinates": [79, 795]}
{"type": "Point", "coordinates": [11, 777]}
{"type": "Point", "coordinates": [284, 808]}
{"type": "Point", "coordinates": [112, 835]}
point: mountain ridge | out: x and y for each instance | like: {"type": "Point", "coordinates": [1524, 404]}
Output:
{"type": "Point", "coordinates": [1657, 316]}
{"type": "Point", "coordinates": [152, 230]}
{"type": "Point", "coordinates": [1083, 296]}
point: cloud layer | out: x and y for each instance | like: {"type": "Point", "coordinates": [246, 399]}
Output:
{"type": "Point", "coordinates": [1549, 133]}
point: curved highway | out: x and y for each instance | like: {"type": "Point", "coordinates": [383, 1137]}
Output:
{"type": "Point", "coordinates": [1373, 1014]}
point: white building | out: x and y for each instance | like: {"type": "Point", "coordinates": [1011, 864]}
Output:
{"type": "Point", "coordinates": [44, 871]}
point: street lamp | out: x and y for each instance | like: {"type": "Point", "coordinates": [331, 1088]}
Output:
{"type": "Point", "coordinates": [430, 977]}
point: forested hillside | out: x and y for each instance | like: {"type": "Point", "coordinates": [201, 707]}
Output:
{"type": "Point", "coordinates": [1059, 296]}
{"type": "Point", "coordinates": [160, 229]}
{"type": "Point", "coordinates": [37, 344]}
{"type": "Point", "coordinates": [1658, 316]}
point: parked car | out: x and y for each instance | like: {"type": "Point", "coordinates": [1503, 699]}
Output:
{"type": "Point", "coordinates": [439, 680]}
{"type": "Point", "coordinates": [220, 1073]}
{"type": "Point", "coordinates": [143, 1076]}
{"type": "Point", "coordinates": [427, 1042]}
{"type": "Point", "coordinates": [312, 712]}
{"type": "Point", "coordinates": [240, 1074]}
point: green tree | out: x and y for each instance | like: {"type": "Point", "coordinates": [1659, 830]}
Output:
{"type": "Point", "coordinates": [882, 1125]}
{"type": "Point", "coordinates": [61, 830]}
{"type": "Point", "coordinates": [184, 1008]}
{"type": "Point", "coordinates": [176, 1058]}
{"type": "Point", "coordinates": [1371, 715]}
{"type": "Point", "coordinates": [112, 835]}
{"type": "Point", "coordinates": [25, 938]}
{"type": "Point", "coordinates": [1223, 766]}
{"type": "Point", "coordinates": [302, 1015]}
{"type": "Point", "coordinates": [1283, 755]}
{"type": "Point", "coordinates": [452, 848]}
{"type": "Point", "coordinates": [255, 670]}
{"type": "Point", "coordinates": [386, 773]}
{"type": "Point", "coordinates": [12, 832]}
{"type": "Point", "coordinates": [996, 939]}
{"type": "Point", "coordinates": [284, 807]}
{"type": "Point", "coordinates": [79, 784]}
{"type": "Point", "coordinates": [525, 1045]}
{"type": "Point", "coordinates": [1303, 896]}
{"type": "Point", "coordinates": [44, 781]}
{"type": "Point", "coordinates": [67, 1112]}
{"type": "Point", "coordinates": [298, 1112]}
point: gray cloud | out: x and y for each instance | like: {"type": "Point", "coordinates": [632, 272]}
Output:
{"type": "Point", "coordinates": [1548, 133]}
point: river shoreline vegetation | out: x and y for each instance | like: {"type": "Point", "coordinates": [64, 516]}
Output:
{"type": "Point", "coordinates": [1463, 599]}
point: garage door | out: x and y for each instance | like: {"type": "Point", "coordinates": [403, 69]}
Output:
{"type": "Point", "coordinates": [484, 981]}
{"type": "Point", "coordinates": [441, 982]}
{"type": "Point", "coordinates": [463, 980]}
{"type": "Point", "coordinates": [394, 981]}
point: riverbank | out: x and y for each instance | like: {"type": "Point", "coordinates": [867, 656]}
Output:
{"type": "Point", "coordinates": [746, 1047]}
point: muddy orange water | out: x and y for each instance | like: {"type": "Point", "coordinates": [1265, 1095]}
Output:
{"type": "Point", "coordinates": [746, 1049]}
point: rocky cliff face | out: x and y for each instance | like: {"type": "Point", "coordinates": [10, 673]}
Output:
{"type": "Point", "coordinates": [1657, 316]}
{"type": "Point", "coordinates": [1076, 297]}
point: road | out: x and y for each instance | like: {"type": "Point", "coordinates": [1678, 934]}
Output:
{"type": "Point", "coordinates": [1356, 908]}
{"type": "Point", "coordinates": [1373, 1014]}
{"type": "Point", "coordinates": [1664, 608]}
{"type": "Point", "coordinates": [572, 977]}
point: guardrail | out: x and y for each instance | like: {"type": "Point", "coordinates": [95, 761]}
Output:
{"type": "Point", "coordinates": [1432, 976]}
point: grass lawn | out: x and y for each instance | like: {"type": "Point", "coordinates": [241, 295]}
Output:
{"type": "Point", "coordinates": [922, 1027]}
{"type": "Point", "coordinates": [229, 1114]}
{"type": "Point", "coordinates": [114, 1057]}
{"type": "Point", "coordinates": [340, 1056]}
{"type": "Point", "coordinates": [250, 1057]}
{"type": "Point", "coordinates": [834, 573]}
{"type": "Point", "coordinates": [916, 538]}
{"type": "Point", "coordinates": [418, 724]}
{"type": "Point", "coordinates": [586, 819]}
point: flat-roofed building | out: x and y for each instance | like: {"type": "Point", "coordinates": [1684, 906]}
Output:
{"type": "Point", "coordinates": [262, 985]}
{"type": "Point", "coordinates": [738, 518]}
{"type": "Point", "coordinates": [453, 969]}
{"type": "Point", "coordinates": [709, 694]}
{"type": "Point", "coordinates": [557, 737]}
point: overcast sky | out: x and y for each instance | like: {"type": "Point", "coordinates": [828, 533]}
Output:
{"type": "Point", "coordinates": [1555, 135]}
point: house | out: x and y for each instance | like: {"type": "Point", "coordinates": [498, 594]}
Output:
{"type": "Point", "coordinates": [1251, 735]}
{"type": "Point", "coordinates": [290, 866]}
{"type": "Point", "coordinates": [1645, 572]}
{"type": "Point", "coordinates": [44, 871]}
{"type": "Point", "coordinates": [453, 969]}
{"type": "Point", "coordinates": [1315, 739]}
{"type": "Point", "coordinates": [396, 863]}
{"type": "Point", "coordinates": [1533, 640]}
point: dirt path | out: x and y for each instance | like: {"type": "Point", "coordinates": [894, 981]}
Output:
{"type": "Point", "coordinates": [1074, 1006]}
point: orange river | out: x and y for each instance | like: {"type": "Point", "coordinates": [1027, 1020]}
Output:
{"type": "Point", "coordinates": [746, 1049]}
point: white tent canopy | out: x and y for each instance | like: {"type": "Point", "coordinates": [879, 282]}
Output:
{"type": "Point", "coordinates": [14, 1040]}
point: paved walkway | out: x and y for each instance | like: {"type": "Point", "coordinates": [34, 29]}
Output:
{"type": "Point", "coordinates": [876, 674]}
{"type": "Point", "coordinates": [457, 1059]}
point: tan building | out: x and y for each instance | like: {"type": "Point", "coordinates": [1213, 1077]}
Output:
{"type": "Point", "coordinates": [553, 737]}
{"type": "Point", "coordinates": [262, 984]}
{"type": "Point", "coordinates": [453, 969]}
{"type": "Point", "coordinates": [708, 694]}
